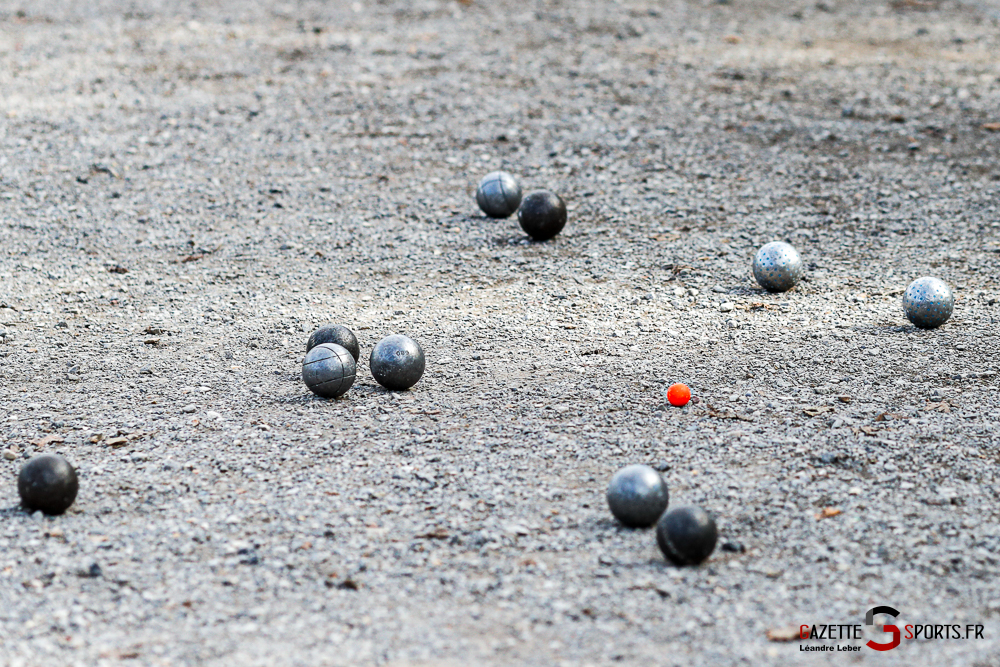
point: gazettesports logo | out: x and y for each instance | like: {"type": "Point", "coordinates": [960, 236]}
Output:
{"type": "Point", "coordinates": [922, 632]}
{"type": "Point", "coordinates": [870, 620]}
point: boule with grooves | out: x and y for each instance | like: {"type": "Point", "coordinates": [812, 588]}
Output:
{"type": "Point", "coordinates": [329, 370]}
{"type": "Point", "coordinates": [498, 194]}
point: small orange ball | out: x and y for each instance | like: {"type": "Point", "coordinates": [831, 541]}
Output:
{"type": "Point", "coordinates": [678, 395]}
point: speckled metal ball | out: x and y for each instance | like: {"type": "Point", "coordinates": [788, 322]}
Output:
{"type": "Point", "coordinates": [47, 483]}
{"type": "Point", "coordinates": [777, 267]}
{"type": "Point", "coordinates": [498, 194]}
{"type": "Point", "coordinates": [686, 535]}
{"type": "Point", "coordinates": [637, 496]}
{"type": "Point", "coordinates": [397, 362]}
{"type": "Point", "coordinates": [542, 215]}
{"type": "Point", "coordinates": [928, 302]}
{"type": "Point", "coordinates": [329, 370]}
{"type": "Point", "coordinates": [337, 334]}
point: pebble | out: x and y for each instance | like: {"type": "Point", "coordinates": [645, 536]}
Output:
{"type": "Point", "coordinates": [89, 570]}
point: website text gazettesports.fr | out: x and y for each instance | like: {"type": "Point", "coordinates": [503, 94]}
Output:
{"type": "Point", "coordinates": [911, 631]}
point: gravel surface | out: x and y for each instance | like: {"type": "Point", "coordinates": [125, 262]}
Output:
{"type": "Point", "coordinates": [186, 192]}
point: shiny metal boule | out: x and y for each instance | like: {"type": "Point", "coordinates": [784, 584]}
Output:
{"type": "Point", "coordinates": [777, 267]}
{"type": "Point", "coordinates": [498, 194]}
{"type": "Point", "coordinates": [928, 302]}
{"type": "Point", "coordinates": [337, 334]}
{"type": "Point", "coordinates": [329, 370]}
{"type": "Point", "coordinates": [397, 362]}
{"type": "Point", "coordinates": [637, 496]}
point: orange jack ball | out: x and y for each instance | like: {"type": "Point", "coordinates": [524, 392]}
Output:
{"type": "Point", "coordinates": [678, 395]}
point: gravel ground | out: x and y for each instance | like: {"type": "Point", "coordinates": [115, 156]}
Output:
{"type": "Point", "coordinates": [187, 191]}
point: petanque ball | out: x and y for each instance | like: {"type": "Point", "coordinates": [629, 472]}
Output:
{"type": "Point", "coordinates": [542, 215]}
{"type": "Point", "coordinates": [329, 370]}
{"type": "Point", "coordinates": [928, 302]}
{"type": "Point", "coordinates": [337, 334]}
{"type": "Point", "coordinates": [777, 267]}
{"type": "Point", "coordinates": [637, 496]}
{"type": "Point", "coordinates": [686, 535]}
{"type": "Point", "coordinates": [498, 194]}
{"type": "Point", "coordinates": [48, 483]}
{"type": "Point", "coordinates": [397, 362]}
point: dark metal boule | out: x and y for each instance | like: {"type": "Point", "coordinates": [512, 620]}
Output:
{"type": "Point", "coordinates": [687, 535]}
{"type": "Point", "coordinates": [397, 362]}
{"type": "Point", "coordinates": [498, 194]}
{"type": "Point", "coordinates": [542, 215]}
{"type": "Point", "coordinates": [329, 370]}
{"type": "Point", "coordinates": [337, 334]}
{"type": "Point", "coordinates": [48, 483]}
{"type": "Point", "coordinates": [637, 496]}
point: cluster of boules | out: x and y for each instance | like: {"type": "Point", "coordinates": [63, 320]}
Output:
{"type": "Point", "coordinates": [542, 214]}
{"type": "Point", "coordinates": [928, 302]}
{"type": "Point", "coordinates": [638, 497]}
{"type": "Point", "coordinates": [332, 352]}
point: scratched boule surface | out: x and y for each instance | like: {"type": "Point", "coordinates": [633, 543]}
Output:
{"type": "Point", "coordinates": [185, 193]}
